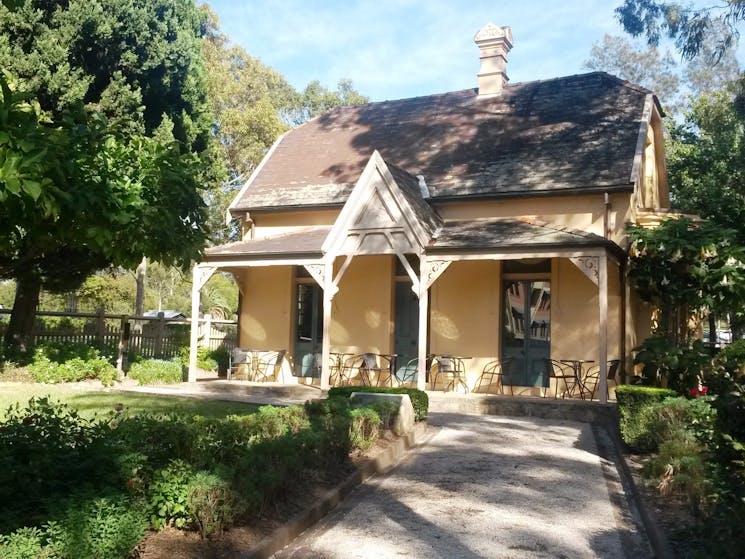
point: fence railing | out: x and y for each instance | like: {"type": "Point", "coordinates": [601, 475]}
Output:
{"type": "Point", "coordinates": [147, 336]}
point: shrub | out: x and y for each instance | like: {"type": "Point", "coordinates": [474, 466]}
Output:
{"type": "Point", "coordinates": [732, 357]}
{"type": "Point", "coordinates": [364, 427]}
{"type": "Point", "coordinates": [680, 467]}
{"type": "Point", "coordinates": [635, 414]}
{"type": "Point", "coordinates": [213, 504]}
{"type": "Point", "coordinates": [386, 411]}
{"type": "Point", "coordinates": [108, 527]}
{"type": "Point", "coordinates": [156, 371]}
{"type": "Point", "coordinates": [47, 451]}
{"type": "Point", "coordinates": [55, 363]}
{"type": "Point", "coordinates": [169, 496]}
{"type": "Point", "coordinates": [666, 363]}
{"type": "Point", "coordinates": [24, 543]}
{"type": "Point", "coordinates": [419, 398]}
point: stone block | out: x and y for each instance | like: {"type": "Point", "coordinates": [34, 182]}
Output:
{"type": "Point", "coordinates": [403, 419]}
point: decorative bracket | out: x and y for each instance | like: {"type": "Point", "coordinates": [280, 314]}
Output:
{"type": "Point", "coordinates": [432, 270]}
{"type": "Point", "coordinates": [588, 265]}
{"type": "Point", "coordinates": [317, 272]}
{"type": "Point", "coordinates": [201, 275]}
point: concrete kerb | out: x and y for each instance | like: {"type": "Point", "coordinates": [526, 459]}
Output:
{"type": "Point", "coordinates": [380, 464]}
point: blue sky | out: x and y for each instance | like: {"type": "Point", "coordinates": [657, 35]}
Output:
{"type": "Point", "coordinates": [393, 49]}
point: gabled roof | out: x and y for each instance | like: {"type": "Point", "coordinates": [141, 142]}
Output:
{"type": "Point", "coordinates": [577, 133]}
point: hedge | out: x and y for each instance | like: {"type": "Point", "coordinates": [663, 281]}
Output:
{"type": "Point", "coordinates": [634, 406]}
{"type": "Point", "coordinates": [419, 398]}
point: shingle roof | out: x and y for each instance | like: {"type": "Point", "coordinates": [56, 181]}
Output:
{"type": "Point", "coordinates": [576, 132]}
{"type": "Point", "coordinates": [305, 242]}
{"type": "Point", "coordinates": [499, 233]}
{"type": "Point", "coordinates": [409, 186]}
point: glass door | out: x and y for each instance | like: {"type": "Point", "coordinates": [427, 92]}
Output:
{"type": "Point", "coordinates": [406, 330]}
{"type": "Point", "coordinates": [308, 329]}
{"type": "Point", "coordinates": [526, 331]}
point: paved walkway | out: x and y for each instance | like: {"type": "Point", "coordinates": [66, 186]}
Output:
{"type": "Point", "coordinates": [487, 486]}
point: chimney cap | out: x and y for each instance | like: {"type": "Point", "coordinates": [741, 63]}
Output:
{"type": "Point", "coordinates": [491, 31]}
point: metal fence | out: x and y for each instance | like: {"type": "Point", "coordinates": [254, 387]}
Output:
{"type": "Point", "coordinates": [147, 336]}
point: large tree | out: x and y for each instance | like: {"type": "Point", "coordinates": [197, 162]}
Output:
{"type": "Point", "coordinates": [105, 141]}
{"type": "Point", "coordinates": [647, 67]}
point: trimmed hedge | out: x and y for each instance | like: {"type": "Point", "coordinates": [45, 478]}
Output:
{"type": "Point", "coordinates": [419, 398]}
{"type": "Point", "coordinates": [157, 371]}
{"type": "Point", "coordinates": [634, 406]}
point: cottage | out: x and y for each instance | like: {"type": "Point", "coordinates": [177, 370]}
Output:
{"type": "Point", "coordinates": [487, 223]}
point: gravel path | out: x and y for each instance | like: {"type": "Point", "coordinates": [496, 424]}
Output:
{"type": "Point", "coordinates": [487, 486]}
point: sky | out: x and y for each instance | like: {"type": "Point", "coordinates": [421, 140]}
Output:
{"type": "Point", "coordinates": [393, 49]}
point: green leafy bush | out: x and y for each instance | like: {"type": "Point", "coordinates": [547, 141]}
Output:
{"type": "Point", "coordinates": [48, 450]}
{"type": "Point", "coordinates": [419, 398]}
{"type": "Point", "coordinates": [24, 543]}
{"type": "Point", "coordinates": [157, 371]}
{"type": "Point", "coordinates": [635, 414]}
{"type": "Point", "coordinates": [108, 527]}
{"type": "Point", "coordinates": [65, 362]}
{"type": "Point", "coordinates": [666, 363]}
{"type": "Point", "coordinates": [169, 496]}
{"type": "Point", "coordinates": [732, 357]}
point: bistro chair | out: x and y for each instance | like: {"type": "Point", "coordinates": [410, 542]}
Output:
{"type": "Point", "coordinates": [451, 368]}
{"type": "Point", "coordinates": [409, 373]}
{"type": "Point", "coordinates": [377, 364]}
{"type": "Point", "coordinates": [564, 373]}
{"type": "Point", "coordinates": [268, 365]}
{"type": "Point", "coordinates": [495, 371]}
{"type": "Point", "coordinates": [240, 359]}
{"type": "Point", "coordinates": [592, 379]}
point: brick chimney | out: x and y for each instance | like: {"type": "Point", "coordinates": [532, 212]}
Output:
{"type": "Point", "coordinates": [494, 43]}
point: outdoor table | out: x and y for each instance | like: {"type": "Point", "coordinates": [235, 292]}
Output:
{"type": "Point", "coordinates": [577, 365]}
{"type": "Point", "coordinates": [451, 365]}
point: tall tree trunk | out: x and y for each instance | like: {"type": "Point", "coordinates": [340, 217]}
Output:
{"type": "Point", "coordinates": [20, 334]}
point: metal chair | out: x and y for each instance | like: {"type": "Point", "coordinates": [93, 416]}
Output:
{"type": "Point", "coordinates": [409, 372]}
{"type": "Point", "coordinates": [240, 358]}
{"type": "Point", "coordinates": [593, 377]}
{"type": "Point", "coordinates": [449, 366]}
{"type": "Point", "coordinates": [268, 365]}
{"type": "Point", "coordinates": [495, 369]}
{"type": "Point", "coordinates": [380, 365]}
{"type": "Point", "coordinates": [561, 372]}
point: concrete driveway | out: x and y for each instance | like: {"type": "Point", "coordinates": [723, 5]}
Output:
{"type": "Point", "coordinates": [487, 486]}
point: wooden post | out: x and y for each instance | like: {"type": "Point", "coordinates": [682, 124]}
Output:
{"type": "Point", "coordinates": [100, 327]}
{"type": "Point", "coordinates": [194, 338]}
{"type": "Point", "coordinates": [159, 330]}
{"type": "Point", "coordinates": [122, 358]}
{"type": "Point", "coordinates": [603, 325]}
{"type": "Point", "coordinates": [421, 380]}
{"type": "Point", "coordinates": [328, 286]}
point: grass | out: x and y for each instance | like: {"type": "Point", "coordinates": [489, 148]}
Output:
{"type": "Point", "coordinates": [91, 402]}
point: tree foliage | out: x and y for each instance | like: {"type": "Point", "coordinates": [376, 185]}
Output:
{"type": "Point", "coordinates": [647, 67]}
{"type": "Point", "coordinates": [685, 270]}
{"type": "Point", "coordinates": [105, 141]}
{"type": "Point", "coordinates": [687, 25]}
{"type": "Point", "coordinates": [706, 162]}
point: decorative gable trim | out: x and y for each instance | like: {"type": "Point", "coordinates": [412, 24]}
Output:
{"type": "Point", "coordinates": [377, 218]}
{"type": "Point", "coordinates": [646, 121]}
{"type": "Point", "coordinates": [238, 197]}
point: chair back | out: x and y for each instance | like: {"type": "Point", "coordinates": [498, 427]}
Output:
{"type": "Point", "coordinates": [240, 356]}
{"type": "Point", "coordinates": [369, 361]}
{"type": "Point", "coordinates": [613, 368]}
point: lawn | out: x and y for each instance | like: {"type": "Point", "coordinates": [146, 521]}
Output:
{"type": "Point", "coordinates": [90, 402]}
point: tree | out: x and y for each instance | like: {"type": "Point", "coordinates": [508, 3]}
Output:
{"type": "Point", "coordinates": [105, 150]}
{"type": "Point", "coordinates": [250, 101]}
{"type": "Point", "coordinates": [646, 67]}
{"type": "Point", "coordinates": [688, 26]}
{"type": "Point", "coordinates": [253, 104]}
{"type": "Point", "coordinates": [685, 270]}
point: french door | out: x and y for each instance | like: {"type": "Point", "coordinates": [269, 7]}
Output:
{"type": "Point", "coordinates": [308, 329]}
{"type": "Point", "coordinates": [526, 330]}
